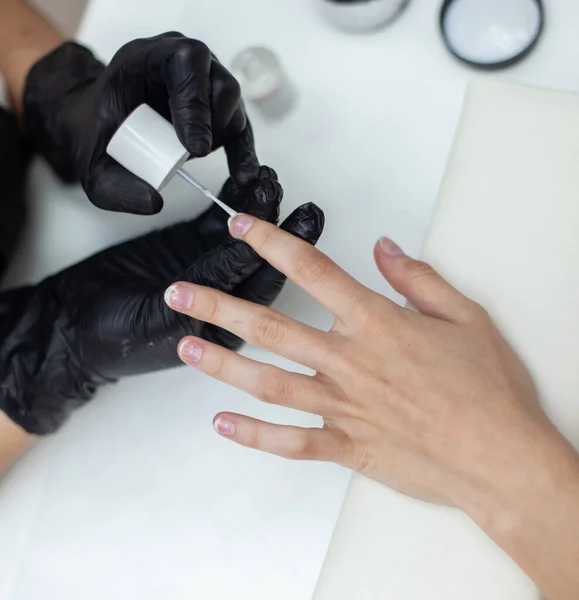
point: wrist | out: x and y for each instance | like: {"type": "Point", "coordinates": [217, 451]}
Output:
{"type": "Point", "coordinates": [533, 514]}
{"type": "Point", "coordinates": [543, 467]}
{"type": "Point", "coordinates": [42, 381]}
{"type": "Point", "coordinates": [25, 37]}
{"type": "Point", "coordinates": [14, 441]}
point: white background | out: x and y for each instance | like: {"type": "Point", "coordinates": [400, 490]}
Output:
{"type": "Point", "coordinates": [137, 497]}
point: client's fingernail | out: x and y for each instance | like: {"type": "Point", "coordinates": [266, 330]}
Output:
{"type": "Point", "coordinates": [179, 297]}
{"type": "Point", "coordinates": [390, 248]}
{"type": "Point", "coordinates": [190, 351]}
{"type": "Point", "coordinates": [239, 225]}
{"type": "Point", "coordinates": [224, 426]}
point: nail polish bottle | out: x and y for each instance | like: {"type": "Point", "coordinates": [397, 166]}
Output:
{"type": "Point", "coordinates": [360, 15]}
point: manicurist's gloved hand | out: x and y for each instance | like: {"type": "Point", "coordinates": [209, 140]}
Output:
{"type": "Point", "coordinates": [105, 318]}
{"type": "Point", "coordinates": [13, 165]}
{"type": "Point", "coordinates": [73, 105]}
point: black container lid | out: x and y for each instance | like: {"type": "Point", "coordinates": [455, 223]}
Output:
{"type": "Point", "coordinates": [491, 34]}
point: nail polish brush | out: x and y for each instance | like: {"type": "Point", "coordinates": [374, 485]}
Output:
{"type": "Point", "coordinates": [146, 145]}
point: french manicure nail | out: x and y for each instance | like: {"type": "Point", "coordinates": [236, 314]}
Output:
{"type": "Point", "coordinates": [239, 225]}
{"type": "Point", "coordinates": [179, 297]}
{"type": "Point", "coordinates": [390, 248]}
{"type": "Point", "coordinates": [190, 351]}
{"type": "Point", "coordinates": [224, 426]}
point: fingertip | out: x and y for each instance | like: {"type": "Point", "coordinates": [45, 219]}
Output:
{"type": "Point", "coordinates": [266, 172]}
{"type": "Point", "coordinates": [264, 199]}
{"type": "Point", "coordinates": [192, 124]}
{"type": "Point", "coordinates": [199, 146]}
{"type": "Point", "coordinates": [116, 189]}
{"type": "Point", "coordinates": [306, 222]}
{"type": "Point", "coordinates": [190, 351]}
{"type": "Point", "coordinates": [385, 253]}
{"type": "Point", "coordinates": [224, 425]}
{"type": "Point", "coordinates": [239, 225]}
{"type": "Point", "coordinates": [155, 203]}
{"type": "Point", "coordinates": [389, 248]}
{"type": "Point", "coordinates": [144, 206]}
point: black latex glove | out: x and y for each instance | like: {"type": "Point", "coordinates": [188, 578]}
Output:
{"type": "Point", "coordinates": [13, 165]}
{"type": "Point", "coordinates": [105, 318]}
{"type": "Point", "coordinates": [73, 105]}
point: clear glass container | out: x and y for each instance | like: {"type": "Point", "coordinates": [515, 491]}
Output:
{"type": "Point", "coordinates": [264, 82]}
{"type": "Point", "coordinates": [360, 15]}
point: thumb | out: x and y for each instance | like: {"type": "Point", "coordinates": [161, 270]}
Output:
{"type": "Point", "coordinates": [114, 188]}
{"type": "Point", "coordinates": [421, 285]}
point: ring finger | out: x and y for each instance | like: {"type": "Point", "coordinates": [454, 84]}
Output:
{"type": "Point", "coordinates": [257, 325]}
{"type": "Point", "coordinates": [265, 382]}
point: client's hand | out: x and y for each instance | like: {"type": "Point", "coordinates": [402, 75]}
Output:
{"type": "Point", "coordinates": [433, 403]}
{"type": "Point", "coordinates": [105, 318]}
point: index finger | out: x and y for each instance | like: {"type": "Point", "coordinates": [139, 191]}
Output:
{"type": "Point", "coordinates": [188, 84]}
{"type": "Point", "coordinates": [305, 265]}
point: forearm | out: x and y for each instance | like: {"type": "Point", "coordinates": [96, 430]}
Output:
{"type": "Point", "coordinates": [25, 37]}
{"type": "Point", "coordinates": [14, 441]}
{"type": "Point", "coordinates": [535, 518]}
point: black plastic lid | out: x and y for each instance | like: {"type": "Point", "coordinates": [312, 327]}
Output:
{"type": "Point", "coordinates": [491, 34]}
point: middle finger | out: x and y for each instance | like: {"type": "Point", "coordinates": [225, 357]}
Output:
{"type": "Point", "coordinates": [306, 266]}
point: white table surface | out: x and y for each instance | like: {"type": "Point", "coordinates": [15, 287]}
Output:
{"type": "Point", "coordinates": [137, 497]}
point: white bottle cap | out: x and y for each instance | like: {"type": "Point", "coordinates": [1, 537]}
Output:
{"type": "Point", "coordinates": [146, 144]}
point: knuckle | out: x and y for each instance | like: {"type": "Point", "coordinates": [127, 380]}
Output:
{"type": "Point", "coordinates": [268, 331]}
{"type": "Point", "coordinates": [215, 365]}
{"type": "Point", "coordinates": [230, 87]}
{"type": "Point", "coordinates": [264, 241]}
{"type": "Point", "coordinates": [417, 269]}
{"type": "Point", "coordinates": [187, 48]}
{"type": "Point", "coordinates": [165, 36]}
{"type": "Point", "coordinates": [210, 311]}
{"type": "Point", "coordinates": [254, 439]}
{"type": "Point", "coordinates": [312, 266]}
{"type": "Point", "coordinates": [299, 447]}
{"type": "Point", "coordinates": [334, 351]}
{"type": "Point", "coordinates": [476, 313]}
{"type": "Point", "coordinates": [276, 389]}
{"type": "Point", "coordinates": [365, 308]}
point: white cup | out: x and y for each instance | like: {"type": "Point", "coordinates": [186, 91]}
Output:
{"type": "Point", "coordinates": [360, 15]}
{"type": "Point", "coordinates": [264, 82]}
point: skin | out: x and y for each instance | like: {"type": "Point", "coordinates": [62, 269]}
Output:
{"type": "Point", "coordinates": [399, 391]}
{"type": "Point", "coordinates": [432, 402]}
{"type": "Point", "coordinates": [14, 442]}
{"type": "Point", "coordinates": [25, 37]}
